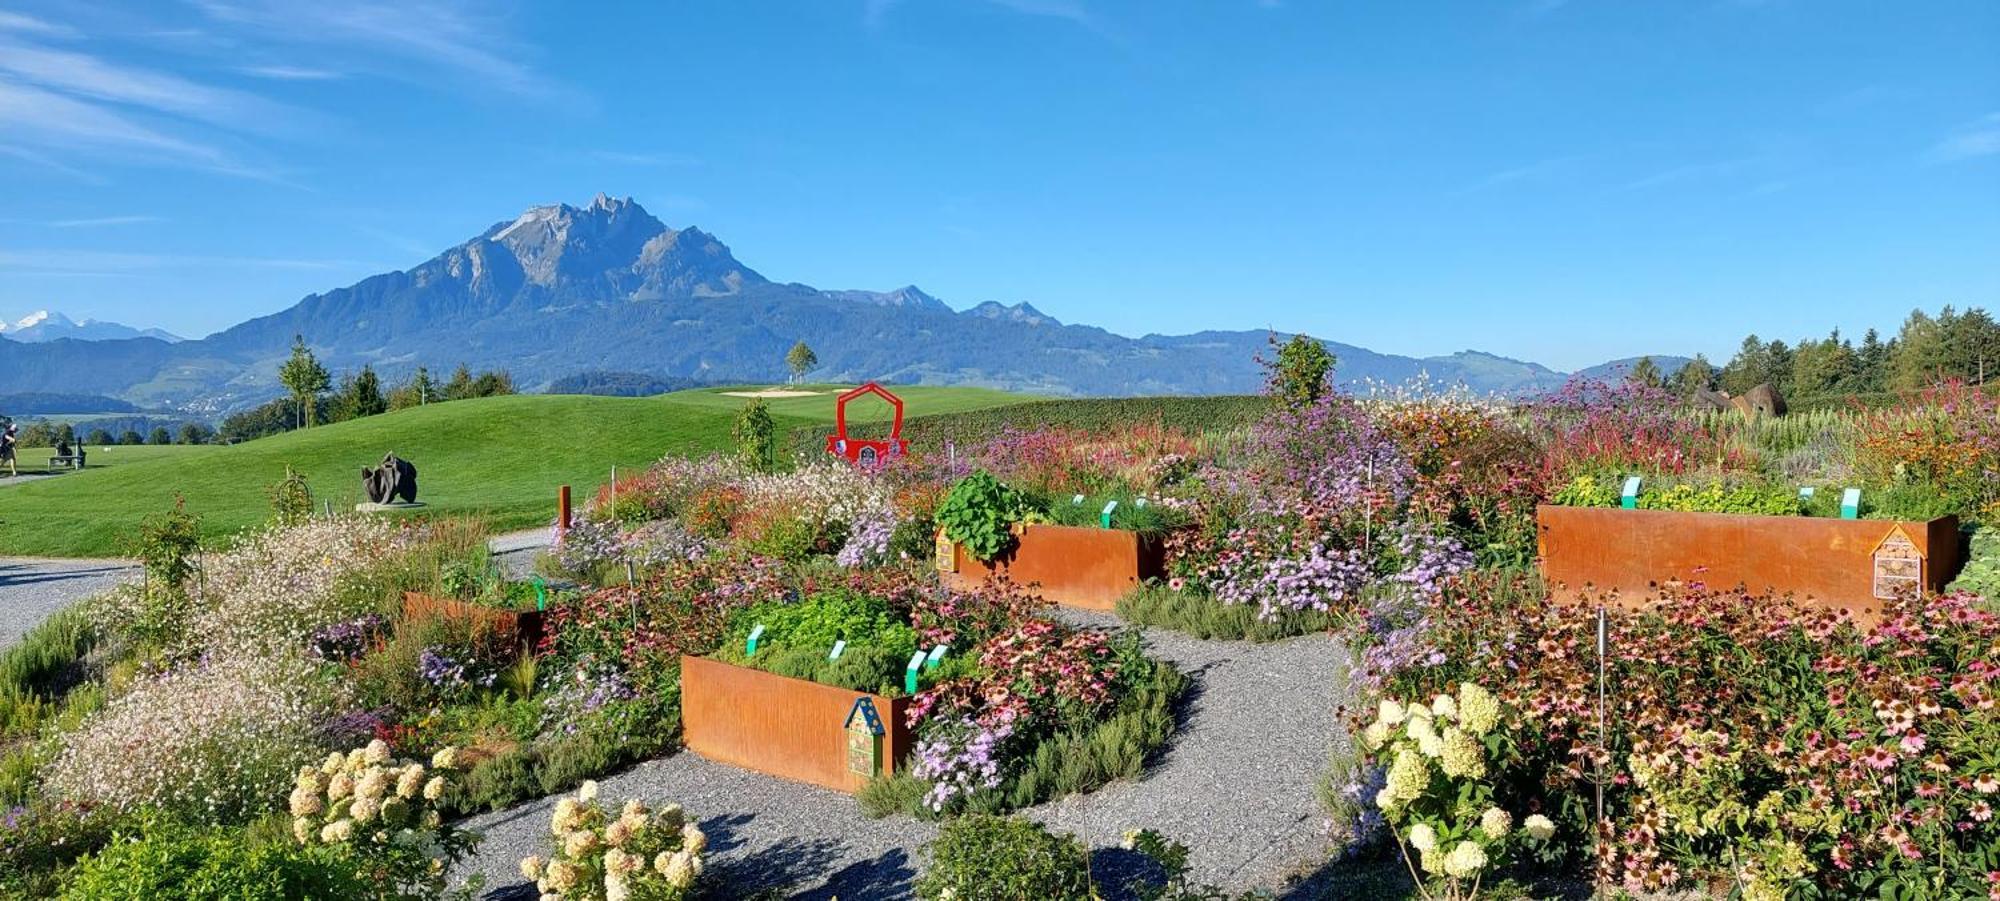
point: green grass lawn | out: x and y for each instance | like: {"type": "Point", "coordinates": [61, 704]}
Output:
{"type": "Point", "coordinates": [499, 457]}
{"type": "Point", "coordinates": [36, 459]}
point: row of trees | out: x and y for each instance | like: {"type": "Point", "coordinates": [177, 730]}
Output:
{"type": "Point", "coordinates": [52, 434]}
{"type": "Point", "coordinates": [1928, 349]}
{"type": "Point", "coordinates": [313, 399]}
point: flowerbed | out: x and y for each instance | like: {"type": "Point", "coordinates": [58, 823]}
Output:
{"type": "Point", "coordinates": [1752, 745]}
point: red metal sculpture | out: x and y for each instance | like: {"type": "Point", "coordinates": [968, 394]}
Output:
{"type": "Point", "coordinates": [867, 451]}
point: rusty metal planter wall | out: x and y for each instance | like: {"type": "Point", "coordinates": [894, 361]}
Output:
{"type": "Point", "coordinates": [1075, 566]}
{"type": "Point", "coordinates": [781, 726]}
{"type": "Point", "coordinates": [1830, 562]}
{"type": "Point", "coordinates": [520, 628]}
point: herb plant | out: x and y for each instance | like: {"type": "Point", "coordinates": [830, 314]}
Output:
{"type": "Point", "coordinates": [980, 512]}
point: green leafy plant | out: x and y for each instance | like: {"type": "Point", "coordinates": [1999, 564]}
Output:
{"type": "Point", "coordinates": [1981, 574]}
{"type": "Point", "coordinates": [756, 435]}
{"type": "Point", "coordinates": [990, 858]}
{"type": "Point", "coordinates": [980, 512]}
{"type": "Point", "coordinates": [167, 545]}
{"type": "Point", "coordinates": [164, 860]}
{"type": "Point", "coordinates": [1199, 614]}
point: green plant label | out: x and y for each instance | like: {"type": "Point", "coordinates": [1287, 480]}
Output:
{"type": "Point", "coordinates": [1139, 502]}
{"type": "Point", "coordinates": [541, 594]}
{"type": "Point", "coordinates": [1078, 500]}
{"type": "Point", "coordinates": [750, 646]}
{"type": "Point", "coordinates": [936, 656]}
{"type": "Point", "coordinates": [1850, 504]}
{"type": "Point", "coordinates": [1806, 493]}
{"type": "Point", "coordinates": [1630, 498]}
{"type": "Point", "coordinates": [910, 673]}
{"type": "Point", "coordinates": [1106, 515]}
{"type": "Point", "coordinates": [838, 646]}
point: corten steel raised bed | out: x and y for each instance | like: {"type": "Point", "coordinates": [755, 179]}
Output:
{"type": "Point", "coordinates": [1073, 565]}
{"type": "Point", "coordinates": [1852, 563]}
{"type": "Point", "coordinates": [786, 727]}
{"type": "Point", "coordinates": [518, 628]}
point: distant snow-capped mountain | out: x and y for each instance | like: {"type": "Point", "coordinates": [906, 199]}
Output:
{"type": "Point", "coordinates": [47, 325]}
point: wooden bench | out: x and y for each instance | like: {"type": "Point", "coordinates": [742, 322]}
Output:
{"type": "Point", "coordinates": [72, 461]}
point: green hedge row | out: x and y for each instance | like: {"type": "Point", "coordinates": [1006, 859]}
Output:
{"type": "Point", "coordinates": [1204, 414]}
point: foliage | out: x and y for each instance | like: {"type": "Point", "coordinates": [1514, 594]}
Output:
{"type": "Point", "coordinates": [1197, 614]}
{"type": "Point", "coordinates": [167, 545]}
{"type": "Point", "coordinates": [1300, 371]}
{"type": "Point", "coordinates": [1981, 574]}
{"type": "Point", "coordinates": [799, 636]}
{"type": "Point", "coordinates": [306, 379]}
{"type": "Point", "coordinates": [992, 858]}
{"type": "Point", "coordinates": [165, 860]}
{"type": "Point", "coordinates": [756, 435]}
{"type": "Point", "coordinates": [980, 513]}
{"type": "Point", "coordinates": [640, 854]}
{"type": "Point", "coordinates": [800, 360]}
{"type": "Point", "coordinates": [1753, 740]}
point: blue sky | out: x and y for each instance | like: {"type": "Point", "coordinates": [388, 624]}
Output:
{"type": "Point", "coordinates": [1558, 181]}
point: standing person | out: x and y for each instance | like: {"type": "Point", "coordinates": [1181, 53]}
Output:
{"type": "Point", "coordinates": [8, 439]}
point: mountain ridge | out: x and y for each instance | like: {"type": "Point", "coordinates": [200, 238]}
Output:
{"type": "Point", "coordinates": [561, 289]}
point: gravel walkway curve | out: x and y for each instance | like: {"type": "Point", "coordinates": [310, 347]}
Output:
{"type": "Point", "coordinates": [31, 588]}
{"type": "Point", "coordinates": [1235, 785]}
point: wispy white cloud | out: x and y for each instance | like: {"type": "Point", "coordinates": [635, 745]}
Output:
{"type": "Point", "coordinates": [31, 25]}
{"type": "Point", "coordinates": [643, 159]}
{"type": "Point", "coordinates": [452, 36]}
{"type": "Point", "coordinates": [48, 162]}
{"type": "Point", "coordinates": [292, 73]}
{"type": "Point", "coordinates": [1689, 172]}
{"type": "Point", "coordinates": [875, 11]}
{"type": "Point", "coordinates": [1539, 169]}
{"type": "Point", "coordinates": [63, 121]}
{"type": "Point", "coordinates": [103, 221]}
{"type": "Point", "coordinates": [84, 75]}
{"type": "Point", "coordinates": [1980, 137]}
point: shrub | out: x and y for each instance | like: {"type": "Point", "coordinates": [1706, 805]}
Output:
{"type": "Point", "coordinates": [41, 839]}
{"type": "Point", "coordinates": [211, 741]}
{"type": "Point", "coordinates": [1981, 575]}
{"type": "Point", "coordinates": [756, 435]}
{"type": "Point", "coordinates": [640, 853]}
{"type": "Point", "coordinates": [167, 861]}
{"type": "Point", "coordinates": [991, 858]}
{"type": "Point", "coordinates": [167, 544]}
{"type": "Point", "coordinates": [1198, 614]}
{"type": "Point", "coordinates": [291, 498]}
{"type": "Point", "coordinates": [383, 813]}
{"type": "Point", "coordinates": [1437, 796]}
{"type": "Point", "coordinates": [980, 512]}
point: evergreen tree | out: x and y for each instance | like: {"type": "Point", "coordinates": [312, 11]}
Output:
{"type": "Point", "coordinates": [159, 436]}
{"type": "Point", "coordinates": [129, 437]}
{"type": "Point", "coordinates": [419, 390]}
{"type": "Point", "coordinates": [460, 387]}
{"type": "Point", "coordinates": [1695, 375]}
{"type": "Point", "coordinates": [494, 383]}
{"type": "Point", "coordinates": [1645, 372]}
{"type": "Point", "coordinates": [305, 378]}
{"type": "Point", "coordinates": [98, 437]}
{"type": "Point", "coordinates": [361, 395]}
{"type": "Point", "coordinates": [1823, 367]}
{"type": "Point", "coordinates": [195, 433]}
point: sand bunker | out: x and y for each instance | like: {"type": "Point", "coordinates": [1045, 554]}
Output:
{"type": "Point", "coordinates": [772, 392]}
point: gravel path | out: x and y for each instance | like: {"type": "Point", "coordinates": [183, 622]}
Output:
{"type": "Point", "coordinates": [516, 551]}
{"type": "Point", "coordinates": [32, 588]}
{"type": "Point", "coordinates": [1236, 785]}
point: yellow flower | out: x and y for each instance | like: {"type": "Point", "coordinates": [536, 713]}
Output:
{"type": "Point", "coordinates": [1444, 706]}
{"type": "Point", "coordinates": [1462, 757]}
{"type": "Point", "coordinates": [1385, 800]}
{"type": "Point", "coordinates": [1465, 860]}
{"type": "Point", "coordinates": [1390, 712]}
{"type": "Point", "coordinates": [1423, 837]}
{"type": "Point", "coordinates": [588, 791]}
{"type": "Point", "coordinates": [305, 801]}
{"type": "Point", "coordinates": [1495, 823]}
{"type": "Point", "coordinates": [1430, 744]}
{"type": "Point", "coordinates": [411, 782]}
{"type": "Point", "coordinates": [634, 808]}
{"type": "Point", "coordinates": [562, 876]}
{"type": "Point", "coordinates": [1408, 776]}
{"type": "Point", "coordinates": [1478, 710]}
{"type": "Point", "coordinates": [377, 752]}
{"type": "Point", "coordinates": [434, 789]}
{"type": "Point", "coordinates": [1538, 827]}
{"type": "Point", "coordinates": [340, 786]}
{"type": "Point", "coordinates": [1375, 735]}
{"type": "Point", "coordinates": [693, 839]}
{"type": "Point", "coordinates": [579, 843]}
{"type": "Point", "coordinates": [444, 759]}
{"type": "Point", "coordinates": [302, 830]}
{"type": "Point", "coordinates": [568, 816]}
{"type": "Point", "coordinates": [617, 834]}
{"type": "Point", "coordinates": [531, 868]}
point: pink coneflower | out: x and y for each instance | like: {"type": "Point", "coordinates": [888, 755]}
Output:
{"type": "Point", "coordinates": [1879, 758]}
{"type": "Point", "coordinates": [1176, 583]}
{"type": "Point", "coordinates": [1912, 743]}
{"type": "Point", "coordinates": [1986, 784]}
{"type": "Point", "coordinates": [1982, 811]}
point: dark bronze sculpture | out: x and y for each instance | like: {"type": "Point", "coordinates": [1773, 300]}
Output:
{"type": "Point", "coordinates": [394, 481]}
